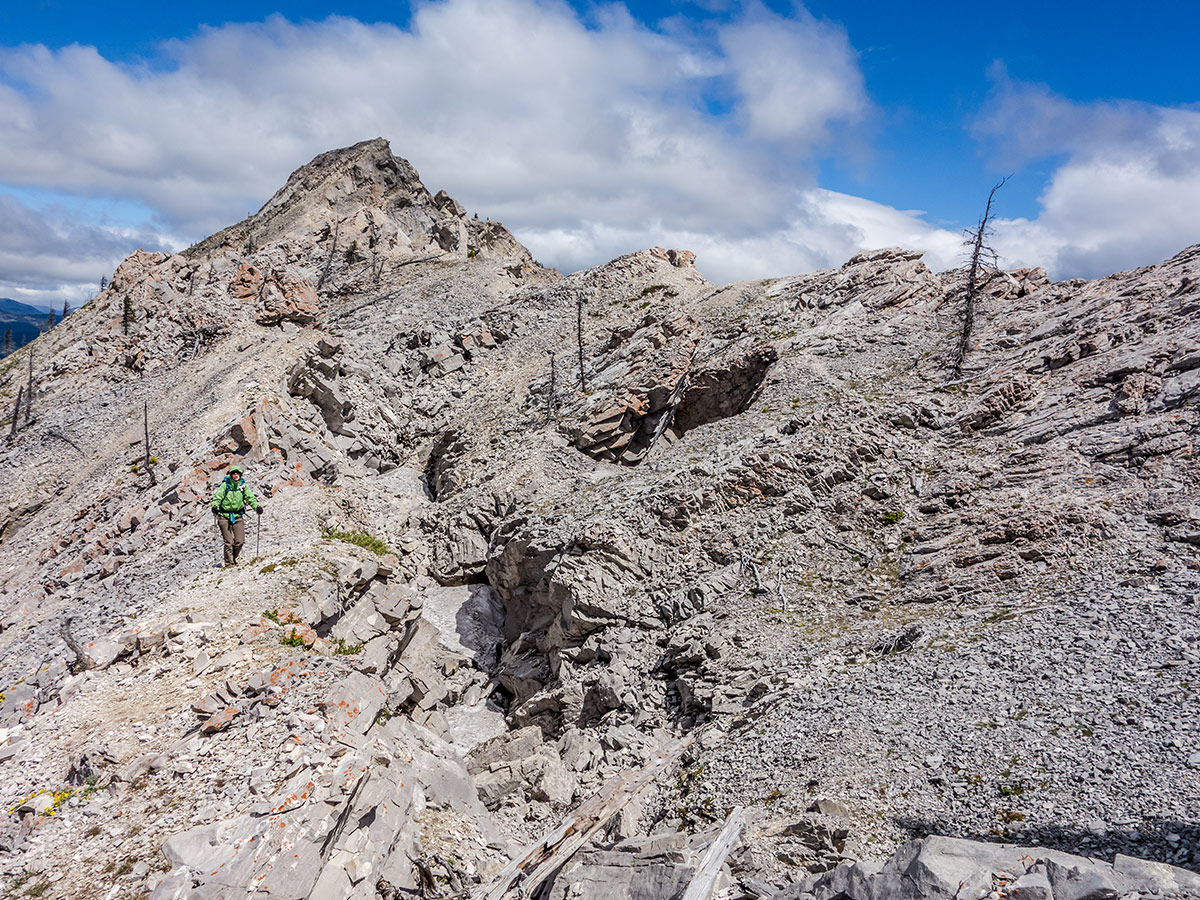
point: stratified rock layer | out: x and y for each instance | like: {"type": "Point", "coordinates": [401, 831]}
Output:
{"type": "Point", "coordinates": [523, 531]}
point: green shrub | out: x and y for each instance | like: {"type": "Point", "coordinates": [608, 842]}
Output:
{"type": "Point", "coordinates": [359, 539]}
{"type": "Point", "coordinates": [292, 639]}
{"type": "Point", "coordinates": [892, 516]}
{"type": "Point", "coordinates": [341, 648]}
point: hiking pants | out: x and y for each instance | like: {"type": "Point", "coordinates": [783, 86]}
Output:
{"type": "Point", "coordinates": [234, 535]}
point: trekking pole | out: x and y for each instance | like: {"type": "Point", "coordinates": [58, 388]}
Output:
{"type": "Point", "coordinates": [258, 536]}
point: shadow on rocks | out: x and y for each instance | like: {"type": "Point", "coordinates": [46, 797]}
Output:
{"type": "Point", "coordinates": [1165, 840]}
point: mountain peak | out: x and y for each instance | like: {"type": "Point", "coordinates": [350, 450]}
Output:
{"type": "Point", "coordinates": [375, 198]}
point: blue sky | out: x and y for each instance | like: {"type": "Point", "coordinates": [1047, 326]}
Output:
{"type": "Point", "coordinates": [769, 137]}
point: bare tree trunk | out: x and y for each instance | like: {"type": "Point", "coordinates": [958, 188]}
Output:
{"type": "Point", "coordinates": [981, 252]}
{"type": "Point", "coordinates": [579, 335]}
{"type": "Point", "coordinates": [701, 886]}
{"type": "Point", "coordinates": [29, 393]}
{"type": "Point", "coordinates": [337, 227]}
{"type": "Point", "coordinates": [64, 630]}
{"type": "Point", "coordinates": [146, 434]}
{"type": "Point", "coordinates": [12, 432]}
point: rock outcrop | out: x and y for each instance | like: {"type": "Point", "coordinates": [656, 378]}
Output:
{"type": "Point", "coordinates": [524, 531]}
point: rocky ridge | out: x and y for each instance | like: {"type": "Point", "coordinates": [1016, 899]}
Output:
{"type": "Point", "coordinates": [885, 604]}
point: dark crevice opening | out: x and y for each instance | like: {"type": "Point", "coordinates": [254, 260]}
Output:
{"type": "Point", "coordinates": [716, 394]}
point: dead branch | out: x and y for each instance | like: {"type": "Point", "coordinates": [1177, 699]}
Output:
{"type": "Point", "coordinates": [548, 854]}
{"type": "Point", "coordinates": [337, 227]}
{"type": "Point", "coordinates": [29, 393]}
{"type": "Point", "coordinates": [714, 857]}
{"type": "Point", "coordinates": [834, 542]}
{"type": "Point", "coordinates": [146, 434]}
{"type": "Point", "coordinates": [982, 255]}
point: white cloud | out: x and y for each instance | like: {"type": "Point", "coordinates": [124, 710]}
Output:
{"type": "Point", "coordinates": [46, 256]}
{"type": "Point", "coordinates": [795, 78]}
{"type": "Point", "coordinates": [588, 140]}
{"type": "Point", "coordinates": [824, 230]}
{"type": "Point", "coordinates": [1127, 194]}
{"type": "Point", "coordinates": [565, 132]}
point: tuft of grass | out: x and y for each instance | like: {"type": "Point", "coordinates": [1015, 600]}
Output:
{"type": "Point", "coordinates": [283, 563]}
{"type": "Point", "coordinates": [341, 648]}
{"type": "Point", "coordinates": [292, 639]}
{"type": "Point", "coordinates": [359, 539]}
{"type": "Point", "coordinates": [893, 516]}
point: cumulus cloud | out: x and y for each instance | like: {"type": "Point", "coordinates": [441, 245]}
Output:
{"type": "Point", "coordinates": [795, 78]}
{"type": "Point", "coordinates": [47, 256]}
{"type": "Point", "coordinates": [1126, 194]}
{"type": "Point", "coordinates": [825, 229]}
{"type": "Point", "coordinates": [576, 136]}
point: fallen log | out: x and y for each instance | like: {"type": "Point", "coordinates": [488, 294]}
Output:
{"type": "Point", "coordinates": [545, 856]}
{"type": "Point", "coordinates": [702, 882]}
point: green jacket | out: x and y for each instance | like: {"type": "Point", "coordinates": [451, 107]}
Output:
{"type": "Point", "coordinates": [230, 501]}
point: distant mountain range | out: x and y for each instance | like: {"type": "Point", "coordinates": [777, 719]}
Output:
{"type": "Point", "coordinates": [26, 322]}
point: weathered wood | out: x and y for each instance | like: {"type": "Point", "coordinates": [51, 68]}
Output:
{"type": "Point", "coordinates": [548, 854]}
{"type": "Point", "coordinates": [16, 422]}
{"type": "Point", "coordinates": [29, 393]}
{"type": "Point", "coordinates": [714, 857]}
{"type": "Point", "coordinates": [146, 433]}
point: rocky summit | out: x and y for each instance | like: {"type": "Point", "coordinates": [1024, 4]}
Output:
{"type": "Point", "coordinates": [616, 585]}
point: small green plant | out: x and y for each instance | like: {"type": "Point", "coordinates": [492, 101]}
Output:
{"type": "Point", "coordinates": [57, 798]}
{"type": "Point", "coordinates": [292, 639]}
{"type": "Point", "coordinates": [893, 516]}
{"type": "Point", "coordinates": [38, 889]}
{"type": "Point", "coordinates": [341, 648]}
{"type": "Point", "coordinates": [359, 539]}
{"type": "Point", "coordinates": [472, 253]}
{"type": "Point", "coordinates": [19, 882]}
{"type": "Point", "coordinates": [381, 717]}
{"type": "Point", "coordinates": [287, 618]}
{"type": "Point", "coordinates": [282, 564]}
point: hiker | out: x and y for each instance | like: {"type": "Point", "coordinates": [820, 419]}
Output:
{"type": "Point", "coordinates": [228, 505]}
